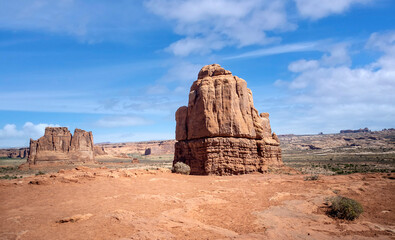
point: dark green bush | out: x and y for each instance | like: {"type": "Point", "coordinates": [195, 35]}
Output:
{"type": "Point", "coordinates": [180, 167]}
{"type": "Point", "coordinates": [344, 208]}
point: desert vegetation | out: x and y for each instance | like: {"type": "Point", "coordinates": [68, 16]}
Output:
{"type": "Point", "coordinates": [344, 208]}
{"type": "Point", "coordinates": [181, 168]}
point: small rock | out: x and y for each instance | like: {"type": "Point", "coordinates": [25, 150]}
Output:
{"type": "Point", "coordinates": [75, 218]}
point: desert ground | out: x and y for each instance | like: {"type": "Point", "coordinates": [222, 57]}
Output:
{"type": "Point", "coordinates": [117, 199]}
{"type": "Point", "coordinates": [102, 203]}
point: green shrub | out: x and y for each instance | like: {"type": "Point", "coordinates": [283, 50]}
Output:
{"type": "Point", "coordinates": [344, 208]}
{"type": "Point", "coordinates": [311, 178]}
{"type": "Point", "coordinates": [180, 167]}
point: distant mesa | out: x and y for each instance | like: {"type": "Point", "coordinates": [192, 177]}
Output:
{"type": "Point", "coordinates": [220, 131]}
{"type": "Point", "coordinates": [361, 130]}
{"type": "Point", "coordinates": [58, 145]}
{"type": "Point", "coordinates": [14, 153]}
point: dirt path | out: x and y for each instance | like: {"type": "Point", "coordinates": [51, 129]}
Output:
{"type": "Point", "coordinates": [136, 204]}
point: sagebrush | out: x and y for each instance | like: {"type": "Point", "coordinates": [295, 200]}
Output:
{"type": "Point", "coordinates": [344, 208]}
{"type": "Point", "coordinates": [311, 178]}
{"type": "Point", "coordinates": [182, 168]}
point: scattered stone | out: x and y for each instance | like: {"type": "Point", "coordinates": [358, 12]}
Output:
{"type": "Point", "coordinates": [75, 218]}
{"type": "Point", "coordinates": [220, 132]}
{"type": "Point", "coordinates": [39, 182]}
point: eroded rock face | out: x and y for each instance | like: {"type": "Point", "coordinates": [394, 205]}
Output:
{"type": "Point", "coordinates": [220, 132]}
{"type": "Point", "coordinates": [58, 144]}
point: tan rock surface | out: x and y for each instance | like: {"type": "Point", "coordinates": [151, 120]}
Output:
{"type": "Point", "coordinates": [221, 132]}
{"type": "Point", "coordinates": [165, 147]}
{"type": "Point", "coordinates": [58, 144]}
{"type": "Point", "coordinates": [220, 105]}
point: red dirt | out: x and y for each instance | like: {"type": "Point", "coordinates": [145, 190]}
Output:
{"type": "Point", "coordinates": [138, 204]}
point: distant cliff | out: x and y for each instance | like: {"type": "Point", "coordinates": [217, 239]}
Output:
{"type": "Point", "coordinates": [361, 130]}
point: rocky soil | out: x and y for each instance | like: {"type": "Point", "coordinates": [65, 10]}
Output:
{"type": "Point", "coordinates": [86, 203]}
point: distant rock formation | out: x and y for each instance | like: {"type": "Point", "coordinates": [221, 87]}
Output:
{"type": "Point", "coordinates": [58, 144]}
{"type": "Point", "coordinates": [153, 148]}
{"type": "Point", "coordinates": [14, 153]}
{"type": "Point", "coordinates": [99, 150]}
{"type": "Point", "coordinates": [147, 151]}
{"type": "Point", "coordinates": [364, 130]}
{"type": "Point", "coordinates": [220, 132]}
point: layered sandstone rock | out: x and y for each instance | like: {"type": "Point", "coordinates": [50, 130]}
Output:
{"type": "Point", "coordinates": [14, 153]}
{"type": "Point", "coordinates": [58, 144]}
{"type": "Point", "coordinates": [220, 132]}
{"type": "Point", "coordinates": [99, 150]}
{"type": "Point", "coordinates": [149, 147]}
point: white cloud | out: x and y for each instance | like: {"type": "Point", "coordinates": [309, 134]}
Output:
{"type": "Point", "coordinates": [316, 9]}
{"type": "Point", "coordinates": [331, 93]}
{"type": "Point", "coordinates": [121, 121]}
{"type": "Point", "coordinates": [133, 137]}
{"type": "Point", "coordinates": [176, 80]}
{"type": "Point", "coordinates": [338, 56]}
{"type": "Point", "coordinates": [11, 136]}
{"type": "Point", "coordinates": [302, 65]}
{"type": "Point", "coordinates": [182, 72]}
{"type": "Point", "coordinates": [286, 48]}
{"type": "Point", "coordinates": [212, 25]}
{"type": "Point", "coordinates": [196, 45]}
{"type": "Point", "coordinates": [85, 20]}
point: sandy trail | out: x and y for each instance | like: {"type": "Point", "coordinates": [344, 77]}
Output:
{"type": "Point", "coordinates": [138, 204]}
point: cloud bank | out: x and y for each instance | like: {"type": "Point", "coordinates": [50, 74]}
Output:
{"type": "Point", "coordinates": [329, 92]}
{"type": "Point", "coordinates": [212, 25]}
{"type": "Point", "coordinates": [11, 136]}
{"type": "Point", "coordinates": [314, 9]}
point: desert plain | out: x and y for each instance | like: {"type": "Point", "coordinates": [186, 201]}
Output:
{"type": "Point", "coordinates": [117, 199]}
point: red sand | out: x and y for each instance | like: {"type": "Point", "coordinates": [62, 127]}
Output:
{"type": "Point", "coordinates": [131, 204]}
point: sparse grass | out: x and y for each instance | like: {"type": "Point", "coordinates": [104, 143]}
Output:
{"type": "Point", "coordinates": [9, 177]}
{"type": "Point", "coordinates": [7, 169]}
{"type": "Point", "coordinates": [182, 168]}
{"type": "Point", "coordinates": [340, 168]}
{"type": "Point", "coordinates": [344, 208]}
{"type": "Point", "coordinates": [311, 178]}
{"type": "Point", "coordinates": [40, 173]}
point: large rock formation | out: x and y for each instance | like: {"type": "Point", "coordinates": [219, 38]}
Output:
{"type": "Point", "coordinates": [58, 144]}
{"type": "Point", "coordinates": [220, 132]}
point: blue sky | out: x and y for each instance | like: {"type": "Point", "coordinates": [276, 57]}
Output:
{"type": "Point", "coordinates": [122, 68]}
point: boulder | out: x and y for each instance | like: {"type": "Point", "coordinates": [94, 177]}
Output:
{"type": "Point", "coordinates": [220, 131]}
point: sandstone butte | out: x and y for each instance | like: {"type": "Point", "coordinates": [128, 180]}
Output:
{"type": "Point", "coordinates": [58, 145]}
{"type": "Point", "coordinates": [221, 132]}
